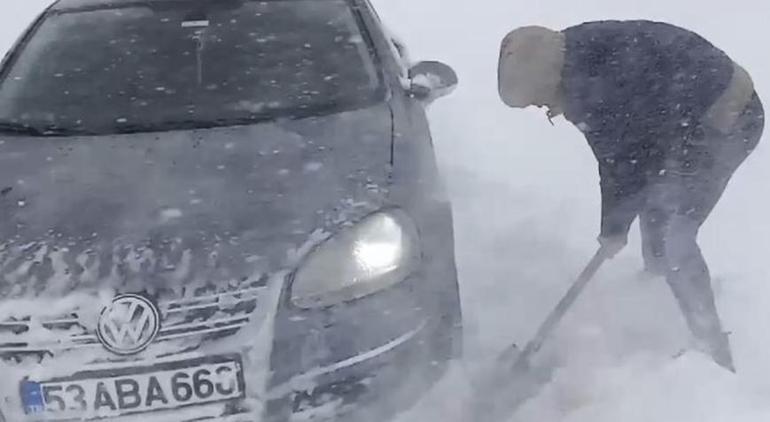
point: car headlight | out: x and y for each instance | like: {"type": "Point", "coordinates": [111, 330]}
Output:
{"type": "Point", "coordinates": [377, 253]}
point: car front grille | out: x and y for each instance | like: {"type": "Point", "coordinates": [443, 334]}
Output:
{"type": "Point", "coordinates": [200, 317]}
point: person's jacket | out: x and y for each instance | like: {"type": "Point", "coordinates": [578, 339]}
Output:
{"type": "Point", "coordinates": [640, 91]}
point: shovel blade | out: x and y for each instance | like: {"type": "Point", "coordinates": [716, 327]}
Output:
{"type": "Point", "coordinates": [500, 389]}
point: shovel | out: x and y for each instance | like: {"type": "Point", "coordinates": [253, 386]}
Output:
{"type": "Point", "coordinates": [513, 379]}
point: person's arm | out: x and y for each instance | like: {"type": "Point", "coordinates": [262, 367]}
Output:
{"type": "Point", "coordinates": [622, 180]}
{"type": "Point", "coordinates": [621, 198]}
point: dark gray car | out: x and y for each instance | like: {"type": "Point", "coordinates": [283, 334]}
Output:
{"type": "Point", "coordinates": [224, 210]}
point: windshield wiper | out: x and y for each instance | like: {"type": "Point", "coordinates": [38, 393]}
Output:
{"type": "Point", "coordinates": [191, 124]}
{"type": "Point", "coordinates": [19, 129]}
{"type": "Point", "coordinates": [27, 130]}
{"type": "Point", "coordinates": [128, 128]}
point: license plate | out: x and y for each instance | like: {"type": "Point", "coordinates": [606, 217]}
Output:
{"type": "Point", "coordinates": [136, 390]}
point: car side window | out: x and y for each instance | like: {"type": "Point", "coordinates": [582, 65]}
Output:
{"type": "Point", "coordinates": [397, 47]}
{"type": "Point", "coordinates": [373, 10]}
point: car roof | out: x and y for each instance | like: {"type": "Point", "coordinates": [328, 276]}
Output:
{"type": "Point", "coordinates": [78, 4]}
{"type": "Point", "coordinates": [62, 5]}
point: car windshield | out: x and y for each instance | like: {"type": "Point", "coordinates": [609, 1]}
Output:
{"type": "Point", "coordinates": [175, 65]}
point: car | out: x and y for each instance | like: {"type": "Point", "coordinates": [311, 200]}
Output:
{"type": "Point", "coordinates": [220, 210]}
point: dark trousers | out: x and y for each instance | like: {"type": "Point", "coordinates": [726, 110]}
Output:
{"type": "Point", "coordinates": [677, 202]}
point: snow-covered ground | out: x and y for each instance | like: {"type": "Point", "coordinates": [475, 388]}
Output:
{"type": "Point", "coordinates": [526, 202]}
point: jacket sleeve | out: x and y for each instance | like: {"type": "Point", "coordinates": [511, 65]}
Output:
{"type": "Point", "coordinates": [622, 175]}
{"type": "Point", "coordinates": [622, 182]}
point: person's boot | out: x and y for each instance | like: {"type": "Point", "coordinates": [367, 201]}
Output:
{"type": "Point", "coordinates": [702, 318]}
{"type": "Point", "coordinates": [720, 351]}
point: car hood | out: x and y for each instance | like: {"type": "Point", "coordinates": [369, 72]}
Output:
{"type": "Point", "coordinates": [184, 209]}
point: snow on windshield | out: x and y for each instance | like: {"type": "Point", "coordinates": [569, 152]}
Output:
{"type": "Point", "coordinates": [182, 66]}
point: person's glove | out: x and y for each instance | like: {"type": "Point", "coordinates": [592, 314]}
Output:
{"type": "Point", "coordinates": [612, 245]}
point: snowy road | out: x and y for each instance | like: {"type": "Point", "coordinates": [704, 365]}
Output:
{"type": "Point", "coordinates": [526, 202]}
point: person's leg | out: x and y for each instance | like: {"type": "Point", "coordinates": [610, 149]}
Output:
{"type": "Point", "coordinates": [668, 225]}
{"type": "Point", "coordinates": [690, 281]}
{"type": "Point", "coordinates": [690, 198]}
{"type": "Point", "coordinates": [653, 222]}
{"type": "Point", "coordinates": [695, 179]}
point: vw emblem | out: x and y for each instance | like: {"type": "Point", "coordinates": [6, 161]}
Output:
{"type": "Point", "coordinates": [128, 325]}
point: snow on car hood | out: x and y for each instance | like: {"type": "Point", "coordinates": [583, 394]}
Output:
{"type": "Point", "coordinates": [151, 211]}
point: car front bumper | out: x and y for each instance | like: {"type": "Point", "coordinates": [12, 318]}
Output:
{"type": "Point", "coordinates": [360, 361]}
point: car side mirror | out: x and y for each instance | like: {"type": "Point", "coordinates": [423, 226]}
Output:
{"type": "Point", "coordinates": [431, 80]}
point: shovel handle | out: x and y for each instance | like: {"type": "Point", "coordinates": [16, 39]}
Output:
{"type": "Point", "coordinates": [555, 317]}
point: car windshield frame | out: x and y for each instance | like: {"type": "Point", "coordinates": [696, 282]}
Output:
{"type": "Point", "coordinates": [378, 95]}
